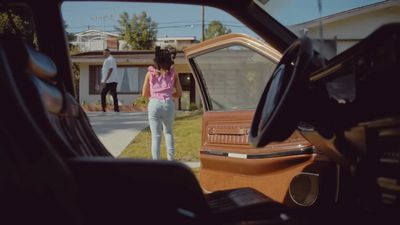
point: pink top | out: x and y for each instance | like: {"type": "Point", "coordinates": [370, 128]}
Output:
{"type": "Point", "coordinates": [161, 86]}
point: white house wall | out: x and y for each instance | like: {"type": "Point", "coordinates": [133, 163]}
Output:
{"type": "Point", "coordinates": [343, 30]}
{"type": "Point", "coordinates": [85, 97]}
{"type": "Point", "coordinates": [84, 84]}
{"type": "Point", "coordinates": [343, 45]}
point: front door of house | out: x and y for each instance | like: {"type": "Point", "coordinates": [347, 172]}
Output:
{"type": "Point", "coordinates": [188, 91]}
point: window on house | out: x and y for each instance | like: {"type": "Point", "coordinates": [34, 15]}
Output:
{"type": "Point", "coordinates": [130, 81]}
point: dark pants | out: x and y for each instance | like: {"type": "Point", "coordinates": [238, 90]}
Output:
{"type": "Point", "coordinates": [112, 88]}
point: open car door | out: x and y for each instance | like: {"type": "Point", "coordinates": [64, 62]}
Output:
{"type": "Point", "coordinates": [231, 72]}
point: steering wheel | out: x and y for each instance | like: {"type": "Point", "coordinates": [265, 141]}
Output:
{"type": "Point", "coordinates": [279, 108]}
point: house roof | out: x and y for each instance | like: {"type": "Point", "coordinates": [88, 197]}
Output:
{"type": "Point", "coordinates": [345, 14]}
{"type": "Point", "coordinates": [114, 53]}
{"type": "Point", "coordinates": [128, 57]}
{"type": "Point", "coordinates": [189, 38]}
{"type": "Point", "coordinates": [94, 32]}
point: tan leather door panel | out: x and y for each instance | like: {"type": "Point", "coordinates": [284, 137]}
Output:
{"type": "Point", "coordinates": [228, 161]}
{"type": "Point", "coordinates": [231, 72]}
{"type": "Point", "coordinates": [271, 176]}
{"type": "Point", "coordinates": [228, 131]}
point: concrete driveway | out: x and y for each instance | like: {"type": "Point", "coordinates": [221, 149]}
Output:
{"type": "Point", "coordinates": [117, 130]}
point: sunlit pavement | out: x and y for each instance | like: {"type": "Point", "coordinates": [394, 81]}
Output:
{"type": "Point", "coordinates": [117, 130]}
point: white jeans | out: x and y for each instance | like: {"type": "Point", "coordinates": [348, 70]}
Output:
{"type": "Point", "coordinates": [161, 112]}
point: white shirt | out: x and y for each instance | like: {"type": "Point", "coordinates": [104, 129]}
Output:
{"type": "Point", "coordinates": [109, 63]}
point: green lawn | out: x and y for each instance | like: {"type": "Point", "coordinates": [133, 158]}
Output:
{"type": "Point", "coordinates": [187, 132]}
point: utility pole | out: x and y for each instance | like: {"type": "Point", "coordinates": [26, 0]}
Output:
{"type": "Point", "coordinates": [202, 23]}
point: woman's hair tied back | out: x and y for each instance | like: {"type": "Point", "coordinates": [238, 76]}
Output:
{"type": "Point", "coordinates": [164, 57]}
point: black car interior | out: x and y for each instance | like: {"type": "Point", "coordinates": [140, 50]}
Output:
{"type": "Point", "coordinates": [73, 183]}
{"type": "Point", "coordinates": [54, 170]}
{"type": "Point", "coordinates": [357, 117]}
{"type": "Point", "coordinates": [349, 114]}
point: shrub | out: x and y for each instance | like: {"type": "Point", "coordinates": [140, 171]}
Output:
{"type": "Point", "coordinates": [193, 106]}
{"type": "Point", "coordinates": [140, 101]}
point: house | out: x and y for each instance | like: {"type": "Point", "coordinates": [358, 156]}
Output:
{"type": "Point", "coordinates": [96, 40]}
{"type": "Point", "coordinates": [178, 43]}
{"type": "Point", "coordinates": [337, 32]}
{"type": "Point", "coordinates": [338, 29]}
{"type": "Point", "coordinates": [132, 68]}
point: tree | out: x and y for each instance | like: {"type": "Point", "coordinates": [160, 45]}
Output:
{"type": "Point", "coordinates": [70, 36]}
{"type": "Point", "coordinates": [216, 28]}
{"type": "Point", "coordinates": [16, 20]}
{"type": "Point", "coordinates": [139, 32]}
{"type": "Point", "coordinates": [124, 29]}
{"type": "Point", "coordinates": [73, 49]}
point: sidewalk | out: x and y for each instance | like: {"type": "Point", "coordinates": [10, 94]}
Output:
{"type": "Point", "coordinates": [117, 130]}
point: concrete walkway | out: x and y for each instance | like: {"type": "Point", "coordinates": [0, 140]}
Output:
{"type": "Point", "coordinates": [117, 130]}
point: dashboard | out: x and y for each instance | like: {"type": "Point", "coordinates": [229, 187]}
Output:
{"type": "Point", "coordinates": [356, 113]}
{"type": "Point", "coordinates": [365, 77]}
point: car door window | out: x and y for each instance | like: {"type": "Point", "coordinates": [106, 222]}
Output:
{"type": "Point", "coordinates": [234, 76]}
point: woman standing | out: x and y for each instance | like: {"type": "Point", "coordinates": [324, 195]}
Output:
{"type": "Point", "coordinates": [161, 85]}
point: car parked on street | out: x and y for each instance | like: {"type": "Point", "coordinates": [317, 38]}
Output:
{"type": "Point", "coordinates": [298, 128]}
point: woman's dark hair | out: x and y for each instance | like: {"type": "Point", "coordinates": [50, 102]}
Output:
{"type": "Point", "coordinates": [164, 58]}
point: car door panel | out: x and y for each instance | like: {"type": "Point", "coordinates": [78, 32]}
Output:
{"type": "Point", "coordinates": [271, 176]}
{"type": "Point", "coordinates": [228, 161]}
{"type": "Point", "coordinates": [229, 71]}
{"type": "Point", "coordinates": [229, 131]}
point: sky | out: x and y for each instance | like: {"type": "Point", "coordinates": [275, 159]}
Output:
{"type": "Point", "coordinates": [185, 20]}
{"type": "Point", "coordinates": [291, 12]}
{"type": "Point", "coordinates": [173, 20]}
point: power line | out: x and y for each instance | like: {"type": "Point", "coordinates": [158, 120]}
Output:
{"type": "Point", "coordinates": [160, 28]}
{"type": "Point", "coordinates": [174, 22]}
{"type": "Point", "coordinates": [166, 27]}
